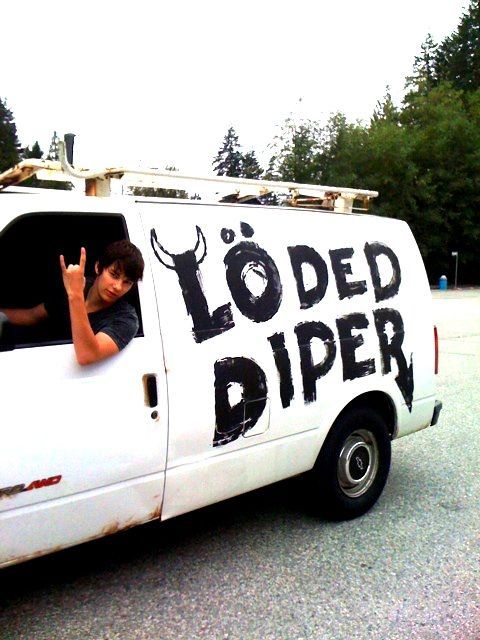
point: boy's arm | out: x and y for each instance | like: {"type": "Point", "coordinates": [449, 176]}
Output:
{"type": "Point", "coordinates": [26, 317]}
{"type": "Point", "coordinates": [89, 347]}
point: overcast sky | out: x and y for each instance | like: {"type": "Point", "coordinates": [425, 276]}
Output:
{"type": "Point", "coordinates": [154, 83]}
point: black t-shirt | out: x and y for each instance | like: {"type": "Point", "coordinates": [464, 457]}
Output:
{"type": "Point", "coordinates": [119, 321]}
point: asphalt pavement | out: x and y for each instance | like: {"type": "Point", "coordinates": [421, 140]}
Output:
{"type": "Point", "coordinates": [261, 567]}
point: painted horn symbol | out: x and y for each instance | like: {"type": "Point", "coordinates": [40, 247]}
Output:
{"type": "Point", "coordinates": [168, 259]}
{"type": "Point", "coordinates": [200, 240]}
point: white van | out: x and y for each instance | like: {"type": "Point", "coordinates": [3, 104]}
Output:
{"type": "Point", "coordinates": [273, 341]}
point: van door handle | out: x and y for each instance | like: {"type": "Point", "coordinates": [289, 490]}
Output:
{"type": "Point", "coordinates": [150, 389]}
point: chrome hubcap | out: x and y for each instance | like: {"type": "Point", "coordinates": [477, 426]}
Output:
{"type": "Point", "coordinates": [358, 463]}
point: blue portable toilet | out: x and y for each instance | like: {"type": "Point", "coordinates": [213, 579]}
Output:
{"type": "Point", "coordinates": [443, 283]}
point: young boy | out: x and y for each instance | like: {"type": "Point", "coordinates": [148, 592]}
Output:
{"type": "Point", "coordinates": [102, 322]}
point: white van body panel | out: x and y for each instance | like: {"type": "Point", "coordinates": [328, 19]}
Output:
{"type": "Point", "coordinates": [51, 525]}
{"type": "Point", "coordinates": [121, 462]}
{"type": "Point", "coordinates": [199, 474]}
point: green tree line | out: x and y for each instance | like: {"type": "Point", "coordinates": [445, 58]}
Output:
{"type": "Point", "coordinates": [422, 157]}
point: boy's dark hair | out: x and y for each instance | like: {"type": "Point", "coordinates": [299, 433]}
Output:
{"type": "Point", "coordinates": [125, 256]}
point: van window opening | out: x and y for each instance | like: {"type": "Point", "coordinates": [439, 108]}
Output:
{"type": "Point", "coordinates": [30, 247]}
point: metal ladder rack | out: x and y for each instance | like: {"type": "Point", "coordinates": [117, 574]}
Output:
{"type": "Point", "coordinates": [98, 183]}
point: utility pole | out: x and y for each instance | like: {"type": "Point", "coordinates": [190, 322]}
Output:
{"type": "Point", "coordinates": [455, 255]}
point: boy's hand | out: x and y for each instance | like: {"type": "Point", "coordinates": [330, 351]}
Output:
{"type": "Point", "coordinates": [74, 275]}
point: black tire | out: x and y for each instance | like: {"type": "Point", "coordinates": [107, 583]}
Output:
{"type": "Point", "coordinates": [352, 467]}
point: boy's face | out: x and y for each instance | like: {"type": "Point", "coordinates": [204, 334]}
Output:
{"type": "Point", "coordinates": [112, 283]}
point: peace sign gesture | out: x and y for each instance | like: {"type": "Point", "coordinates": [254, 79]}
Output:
{"type": "Point", "coordinates": [74, 275]}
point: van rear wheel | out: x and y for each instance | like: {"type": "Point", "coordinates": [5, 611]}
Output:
{"type": "Point", "coordinates": [352, 467]}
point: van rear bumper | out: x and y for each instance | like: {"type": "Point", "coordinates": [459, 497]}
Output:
{"type": "Point", "coordinates": [436, 412]}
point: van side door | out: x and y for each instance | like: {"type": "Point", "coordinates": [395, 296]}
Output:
{"type": "Point", "coordinates": [83, 448]}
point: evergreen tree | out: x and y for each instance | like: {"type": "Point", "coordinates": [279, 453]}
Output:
{"type": "Point", "coordinates": [342, 150]}
{"type": "Point", "coordinates": [341, 155]}
{"type": "Point", "coordinates": [250, 166]}
{"type": "Point", "coordinates": [9, 145]}
{"type": "Point", "coordinates": [458, 56]}
{"type": "Point", "coordinates": [385, 109]}
{"type": "Point", "coordinates": [297, 153]}
{"type": "Point", "coordinates": [35, 152]}
{"type": "Point", "coordinates": [424, 76]}
{"type": "Point", "coordinates": [228, 161]}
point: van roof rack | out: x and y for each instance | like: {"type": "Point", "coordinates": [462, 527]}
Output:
{"type": "Point", "coordinates": [98, 183]}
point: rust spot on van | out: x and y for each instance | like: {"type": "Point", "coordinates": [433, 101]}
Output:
{"type": "Point", "coordinates": [156, 513]}
{"type": "Point", "coordinates": [31, 556]}
{"type": "Point", "coordinates": [110, 529]}
{"type": "Point", "coordinates": [116, 526]}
